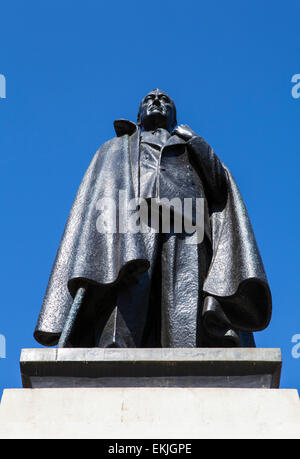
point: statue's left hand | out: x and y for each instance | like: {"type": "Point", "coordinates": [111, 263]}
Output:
{"type": "Point", "coordinates": [184, 131]}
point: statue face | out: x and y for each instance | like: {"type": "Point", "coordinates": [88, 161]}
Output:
{"type": "Point", "coordinates": [157, 110]}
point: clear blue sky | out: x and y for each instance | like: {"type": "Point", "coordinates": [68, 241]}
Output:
{"type": "Point", "coordinates": [72, 67]}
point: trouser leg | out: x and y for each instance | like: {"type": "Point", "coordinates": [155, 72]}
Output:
{"type": "Point", "coordinates": [123, 324]}
{"type": "Point", "coordinates": [184, 268]}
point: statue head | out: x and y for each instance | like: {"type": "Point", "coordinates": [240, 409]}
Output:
{"type": "Point", "coordinates": [157, 110]}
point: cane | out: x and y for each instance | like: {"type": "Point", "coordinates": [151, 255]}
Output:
{"type": "Point", "coordinates": [77, 302]}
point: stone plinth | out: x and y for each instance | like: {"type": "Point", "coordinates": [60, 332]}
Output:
{"type": "Point", "coordinates": [235, 368]}
{"type": "Point", "coordinates": [150, 393]}
{"type": "Point", "coordinates": [156, 413]}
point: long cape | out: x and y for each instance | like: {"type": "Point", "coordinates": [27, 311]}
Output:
{"type": "Point", "coordinates": [236, 276]}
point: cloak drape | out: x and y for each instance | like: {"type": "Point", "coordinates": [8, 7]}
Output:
{"type": "Point", "coordinates": [236, 276]}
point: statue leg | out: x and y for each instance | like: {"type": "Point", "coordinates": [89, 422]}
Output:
{"type": "Point", "coordinates": [184, 268]}
{"type": "Point", "coordinates": [218, 329]}
{"type": "Point", "coordinates": [126, 321]}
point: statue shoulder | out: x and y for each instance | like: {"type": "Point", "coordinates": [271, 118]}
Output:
{"type": "Point", "coordinates": [108, 145]}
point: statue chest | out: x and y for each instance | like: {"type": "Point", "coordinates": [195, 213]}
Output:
{"type": "Point", "coordinates": [166, 171]}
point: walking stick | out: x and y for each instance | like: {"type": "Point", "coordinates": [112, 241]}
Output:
{"type": "Point", "coordinates": [77, 302]}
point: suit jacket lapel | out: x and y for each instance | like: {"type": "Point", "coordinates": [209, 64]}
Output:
{"type": "Point", "coordinates": [125, 127]}
{"type": "Point", "coordinates": [174, 140]}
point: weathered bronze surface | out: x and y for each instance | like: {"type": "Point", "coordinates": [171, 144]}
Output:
{"type": "Point", "coordinates": [153, 289]}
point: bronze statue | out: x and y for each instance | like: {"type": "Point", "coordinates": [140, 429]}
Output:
{"type": "Point", "coordinates": [116, 288]}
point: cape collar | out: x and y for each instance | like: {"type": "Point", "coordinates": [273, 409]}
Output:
{"type": "Point", "coordinates": [123, 126]}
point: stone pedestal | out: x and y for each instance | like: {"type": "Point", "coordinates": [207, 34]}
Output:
{"type": "Point", "coordinates": [150, 393]}
{"type": "Point", "coordinates": [60, 368]}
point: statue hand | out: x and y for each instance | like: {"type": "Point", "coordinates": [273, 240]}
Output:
{"type": "Point", "coordinates": [184, 131]}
